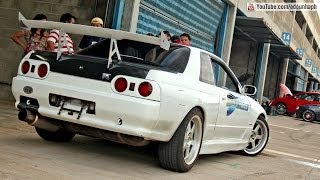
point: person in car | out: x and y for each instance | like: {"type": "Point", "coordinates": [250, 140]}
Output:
{"type": "Point", "coordinates": [167, 34]}
{"type": "Point", "coordinates": [185, 39]}
{"type": "Point", "coordinates": [176, 39]}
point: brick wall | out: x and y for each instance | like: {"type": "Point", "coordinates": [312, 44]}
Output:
{"type": "Point", "coordinates": [11, 53]}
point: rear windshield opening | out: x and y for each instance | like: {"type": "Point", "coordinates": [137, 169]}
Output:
{"type": "Point", "coordinates": [174, 59]}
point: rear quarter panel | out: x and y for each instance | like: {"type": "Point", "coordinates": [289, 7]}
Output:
{"type": "Point", "coordinates": [181, 92]}
{"type": "Point", "coordinates": [178, 96]}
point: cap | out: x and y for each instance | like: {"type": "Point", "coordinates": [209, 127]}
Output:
{"type": "Point", "coordinates": [97, 20]}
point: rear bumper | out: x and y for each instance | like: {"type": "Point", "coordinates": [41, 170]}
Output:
{"type": "Point", "coordinates": [139, 116]}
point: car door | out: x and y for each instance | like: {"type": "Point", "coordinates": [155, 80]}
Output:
{"type": "Point", "coordinates": [234, 108]}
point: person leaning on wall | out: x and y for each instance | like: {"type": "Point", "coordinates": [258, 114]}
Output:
{"type": "Point", "coordinates": [34, 39]}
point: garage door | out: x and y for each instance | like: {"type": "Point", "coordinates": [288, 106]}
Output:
{"type": "Point", "coordinates": [200, 19]}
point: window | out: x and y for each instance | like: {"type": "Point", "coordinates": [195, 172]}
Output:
{"type": "Point", "coordinates": [311, 97]}
{"type": "Point", "coordinates": [206, 71]}
{"type": "Point", "coordinates": [175, 59]}
{"type": "Point", "coordinates": [308, 97]}
{"type": "Point", "coordinates": [230, 83]}
{"type": "Point", "coordinates": [209, 67]}
{"type": "Point", "coordinates": [302, 96]}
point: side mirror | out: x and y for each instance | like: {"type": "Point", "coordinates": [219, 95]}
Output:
{"type": "Point", "coordinates": [249, 90]}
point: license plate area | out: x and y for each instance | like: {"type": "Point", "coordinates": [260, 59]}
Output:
{"type": "Point", "coordinates": [72, 106]}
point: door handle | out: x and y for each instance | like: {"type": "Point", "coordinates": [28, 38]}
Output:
{"type": "Point", "coordinates": [231, 96]}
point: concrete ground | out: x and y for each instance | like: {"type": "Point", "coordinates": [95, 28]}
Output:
{"type": "Point", "coordinates": [293, 152]}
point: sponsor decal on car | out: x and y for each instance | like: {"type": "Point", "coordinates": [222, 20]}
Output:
{"type": "Point", "coordinates": [233, 105]}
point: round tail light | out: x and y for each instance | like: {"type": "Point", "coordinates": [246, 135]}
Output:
{"type": "Point", "coordinates": [25, 67]}
{"type": "Point", "coordinates": [42, 70]}
{"type": "Point", "coordinates": [145, 89]}
{"type": "Point", "coordinates": [121, 84]}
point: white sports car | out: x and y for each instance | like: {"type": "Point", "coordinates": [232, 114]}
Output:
{"type": "Point", "coordinates": [130, 90]}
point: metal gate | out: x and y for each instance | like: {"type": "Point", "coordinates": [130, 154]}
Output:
{"type": "Point", "coordinates": [200, 19]}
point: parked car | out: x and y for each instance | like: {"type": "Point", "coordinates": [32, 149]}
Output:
{"type": "Point", "coordinates": [130, 90]}
{"type": "Point", "coordinates": [289, 104]}
{"type": "Point", "coordinates": [310, 112]}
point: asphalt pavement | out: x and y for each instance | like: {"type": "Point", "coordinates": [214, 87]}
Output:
{"type": "Point", "coordinates": [293, 152]}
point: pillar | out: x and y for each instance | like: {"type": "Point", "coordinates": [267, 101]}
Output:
{"type": "Point", "coordinates": [284, 70]}
{"type": "Point", "coordinates": [227, 40]}
{"type": "Point", "coordinates": [117, 14]}
{"type": "Point", "coordinates": [304, 27]}
{"type": "Point", "coordinates": [134, 16]}
{"type": "Point", "coordinates": [306, 81]}
{"type": "Point", "coordinates": [298, 67]}
{"type": "Point", "coordinates": [311, 86]}
{"type": "Point", "coordinates": [262, 63]}
{"type": "Point", "coordinates": [316, 85]}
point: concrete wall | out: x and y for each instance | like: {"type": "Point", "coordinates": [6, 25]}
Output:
{"type": "Point", "coordinates": [243, 58]}
{"type": "Point", "coordinates": [11, 53]}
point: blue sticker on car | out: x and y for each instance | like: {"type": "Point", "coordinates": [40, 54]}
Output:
{"type": "Point", "coordinates": [231, 109]}
{"type": "Point", "coordinates": [233, 105]}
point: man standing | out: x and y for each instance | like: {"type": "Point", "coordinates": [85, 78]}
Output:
{"type": "Point", "coordinates": [90, 40]}
{"type": "Point", "coordinates": [65, 40]}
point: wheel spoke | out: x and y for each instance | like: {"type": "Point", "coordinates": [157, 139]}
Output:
{"type": "Point", "coordinates": [259, 137]}
{"type": "Point", "coordinates": [186, 151]}
{"type": "Point", "coordinates": [186, 136]}
{"type": "Point", "coordinates": [192, 131]}
{"type": "Point", "coordinates": [188, 128]}
{"type": "Point", "coordinates": [256, 129]}
{"type": "Point", "coordinates": [253, 144]}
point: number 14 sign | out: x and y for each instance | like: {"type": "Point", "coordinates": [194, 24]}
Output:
{"type": "Point", "coordinates": [286, 38]}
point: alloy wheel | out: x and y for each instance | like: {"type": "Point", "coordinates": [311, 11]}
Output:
{"type": "Point", "coordinates": [281, 108]}
{"type": "Point", "coordinates": [192, 140]}
{"type": "Point", "coordinates": [258, 139]}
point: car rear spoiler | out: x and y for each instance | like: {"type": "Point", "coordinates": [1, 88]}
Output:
{"type": "Point", "coordinates": [112, 34]}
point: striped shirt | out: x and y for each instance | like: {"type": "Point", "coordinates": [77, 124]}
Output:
{"type": "Point", "coordinates": [54, 37]}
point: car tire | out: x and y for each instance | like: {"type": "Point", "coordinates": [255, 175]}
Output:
{"type": "Point", "coordinates": [258, 139]}
{"type": "Point", "coordinates": [181, 152]}
{"type": "Point", "coordinates": [281, 108]}
{"type": "Point", "coordinates": [58, 136]}
{"type": "Point", "coordinates": [308, 115]}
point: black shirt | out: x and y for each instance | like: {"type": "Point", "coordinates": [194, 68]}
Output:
{"type": "Point", "coordinates": [88, 41]}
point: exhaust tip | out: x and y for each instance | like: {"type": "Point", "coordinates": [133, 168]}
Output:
{"type": "Point", "coordinates": [27, 116]}
{"type": "Point", "coordinates": [22, 114]}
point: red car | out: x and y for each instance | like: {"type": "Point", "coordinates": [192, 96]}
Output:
{"type": "Point", "coordinates": [289, 104]}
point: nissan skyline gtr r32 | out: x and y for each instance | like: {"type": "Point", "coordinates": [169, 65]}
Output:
{"type": "Point", "coordinates": [134, 89]}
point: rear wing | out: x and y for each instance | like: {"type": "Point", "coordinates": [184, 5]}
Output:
{"type": "Point", "coordinates": [112, 34]}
